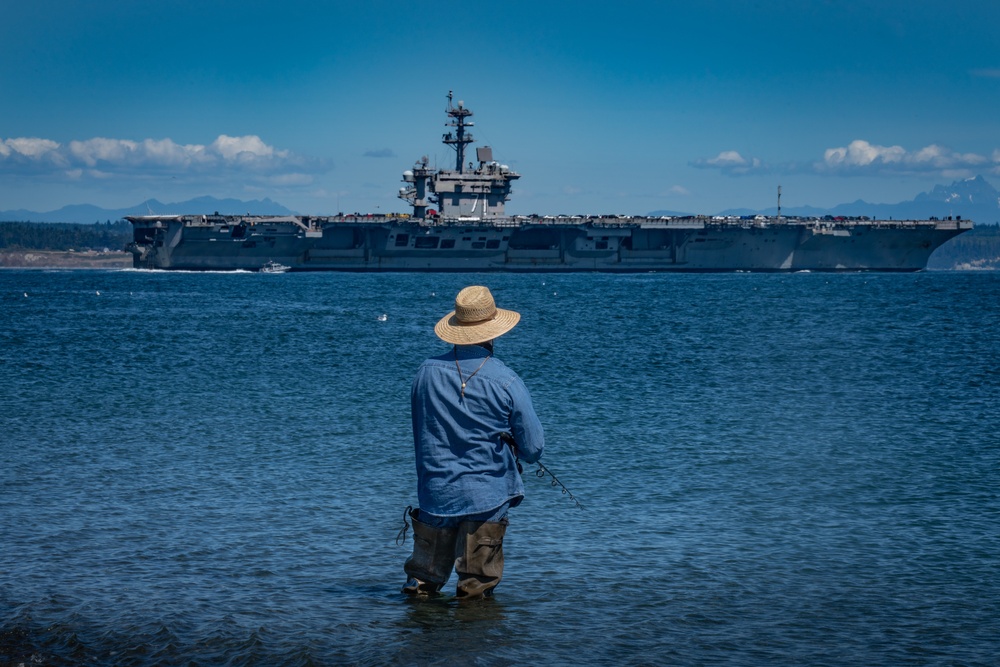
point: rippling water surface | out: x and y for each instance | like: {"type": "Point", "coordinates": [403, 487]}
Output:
{"type": "Point", "coordinates": [775, 470]}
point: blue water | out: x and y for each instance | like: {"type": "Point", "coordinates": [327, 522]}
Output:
{"type": "Point", "coordinates": [775, 470]}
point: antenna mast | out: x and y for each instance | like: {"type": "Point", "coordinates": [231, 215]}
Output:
{"type": "Point", "coordinates": [460, 139]}
{"type": "Point", "coordinates": [779, 203]}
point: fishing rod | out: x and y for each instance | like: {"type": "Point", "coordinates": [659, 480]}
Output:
{"type": "Point", "coordinates": [541, 472]}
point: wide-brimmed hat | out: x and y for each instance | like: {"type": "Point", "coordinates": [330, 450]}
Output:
{"type": "Point", "coordinates": [476, 318]}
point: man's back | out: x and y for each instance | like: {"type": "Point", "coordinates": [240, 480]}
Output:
{"type": "Point", "coordinates": [463, 465]}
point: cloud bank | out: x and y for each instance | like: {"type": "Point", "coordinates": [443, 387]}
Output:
{"type": "Point", "coordinates": [862, 158]}
{"type": "Point", "coordinates": [102, 157]}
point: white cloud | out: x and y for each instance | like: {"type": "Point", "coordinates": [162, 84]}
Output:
{"type": "Point", "coordinates": [101, 157]}
{"type": "Point", "coordinates": [30, 149]}
{"type": "Point", "coordinates": [92, 151]}
{"type": "Point", "coordinates": [860, 153]}
{"type": "Point", "coordinates": [727, 159]}
{"type": "Point", "coordinates": [731, 163]}
{"type": "Point", "coordinates": [244, 149]}
{"type": "Point", "coordinates": [862, 157]}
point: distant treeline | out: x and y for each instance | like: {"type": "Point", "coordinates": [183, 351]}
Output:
{"type": "Point", "coordinates": [976, 248]}
{"type": "Point", "coordinates": [64, 235]}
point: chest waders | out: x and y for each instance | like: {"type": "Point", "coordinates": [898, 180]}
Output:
{"type": "Point", "coordinates": [473, 548]}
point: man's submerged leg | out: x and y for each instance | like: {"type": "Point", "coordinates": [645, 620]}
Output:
{"type": "Point", "coordinates": [480, 560]}
{"type": "Point", "coordinates": [429, 567]}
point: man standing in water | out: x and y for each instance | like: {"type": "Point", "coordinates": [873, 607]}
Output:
{"type": "Point", "coordinates": [465, 406]}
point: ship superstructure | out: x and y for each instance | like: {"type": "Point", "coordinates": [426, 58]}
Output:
{"type": "Point", "coordinates": [458, 223]}
{"type": "Point", "coordinates": [466, 193]}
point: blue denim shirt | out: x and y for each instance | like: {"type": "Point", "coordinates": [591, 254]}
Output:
{"type": "Point", "coordinates": [463, 467]}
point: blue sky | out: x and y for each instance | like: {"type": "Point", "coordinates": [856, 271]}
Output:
{"type": "Point", "coordinates": [602, 107]}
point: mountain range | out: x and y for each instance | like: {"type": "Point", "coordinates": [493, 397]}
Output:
{"type": "Point", "coordinates": [87, 213]}
{"type": "Point", "coordinates": [972, 199]}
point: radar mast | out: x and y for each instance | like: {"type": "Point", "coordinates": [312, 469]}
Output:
{"type": "Point", "coordinates": [460, 139]}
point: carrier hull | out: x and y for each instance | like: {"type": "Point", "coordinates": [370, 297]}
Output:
{"type": "Point", "coordinates": [362, 243]}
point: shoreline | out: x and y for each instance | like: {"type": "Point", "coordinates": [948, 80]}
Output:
{"type": "Point", "coordinates": [65, 259]}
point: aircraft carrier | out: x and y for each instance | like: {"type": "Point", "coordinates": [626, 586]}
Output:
{"type": "Point", "coordinates": [458, 223]}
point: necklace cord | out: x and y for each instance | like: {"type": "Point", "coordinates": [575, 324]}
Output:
{"type": "Point", "coordinates": [465, 380]}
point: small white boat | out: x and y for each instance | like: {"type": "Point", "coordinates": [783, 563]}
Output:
{"type": "Point", "coordinates": [274, 267]}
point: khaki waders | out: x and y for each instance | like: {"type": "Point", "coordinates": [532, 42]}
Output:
{"type": "Point", "coordinates": [473, 548]}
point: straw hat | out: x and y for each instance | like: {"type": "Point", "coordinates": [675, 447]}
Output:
{"type": "Point", "coordinates": [476, 318]}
